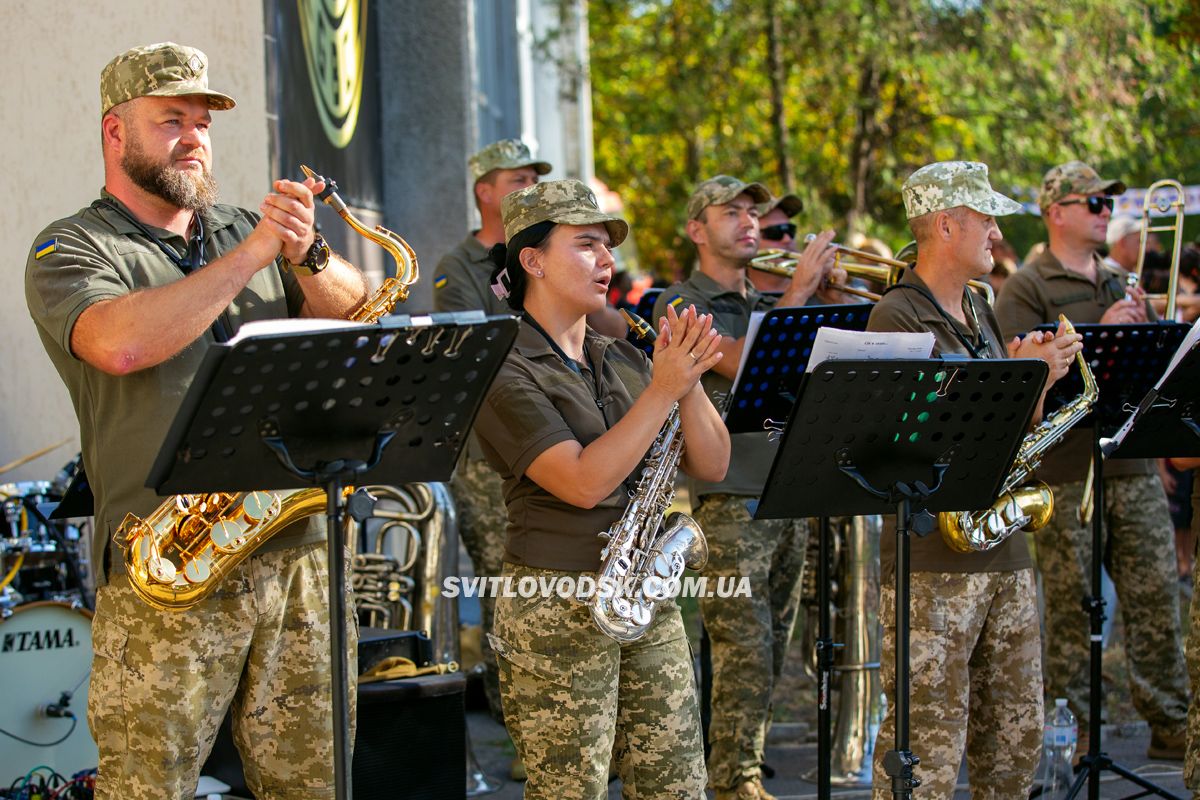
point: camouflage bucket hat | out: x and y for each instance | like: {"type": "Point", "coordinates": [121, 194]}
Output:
{"type": "Point", "coordinates": [720, 190]}
{"type": "Point", "coordinates": [568, 202]}
{"type": "Point", "coordinates": [949, 184]}
{"type": "Point", "coordinates": [504, 154]}
{"type": "Point", "coordinates": [789, 204]}
{"type": "Point", "coordinates": [158, 70]}
{"type": "Point", "coordinates": [1074, 177]}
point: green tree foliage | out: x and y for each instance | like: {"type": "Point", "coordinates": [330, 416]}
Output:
{"type": "Point", "coordinates": [862, 92]}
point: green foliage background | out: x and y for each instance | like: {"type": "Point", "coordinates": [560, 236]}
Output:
{"type": "Point", "coordinates": [862, 92]}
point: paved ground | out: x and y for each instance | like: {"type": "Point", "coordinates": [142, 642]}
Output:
{"type": "Point", "coordinates": [793, 756]}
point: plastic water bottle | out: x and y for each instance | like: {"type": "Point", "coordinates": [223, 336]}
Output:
{"type": "Point", "coordinates": [1058, 748]}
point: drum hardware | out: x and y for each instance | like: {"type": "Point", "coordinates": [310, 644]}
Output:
{"type": "Point", "coordinates": [46, 650]}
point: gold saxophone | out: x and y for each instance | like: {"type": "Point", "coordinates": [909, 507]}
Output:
{"type": "Point", "coordinates": [178, 554]}
{"type": "Point", "coordinates": [1021, 507]}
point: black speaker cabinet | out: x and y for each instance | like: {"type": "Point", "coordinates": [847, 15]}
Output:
{"type": "Point", "coordinates": [411, 742]}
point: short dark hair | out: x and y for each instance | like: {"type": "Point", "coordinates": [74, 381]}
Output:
{"type": "Point", "coordinates": [508, 257]}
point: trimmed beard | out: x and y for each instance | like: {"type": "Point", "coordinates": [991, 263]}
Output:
{"type": "Point", "coordinates": [180, 188]}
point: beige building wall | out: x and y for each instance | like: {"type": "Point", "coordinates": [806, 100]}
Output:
{"type": "Point", "coordinates": [51, 54]}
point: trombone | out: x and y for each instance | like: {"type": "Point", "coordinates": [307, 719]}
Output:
{"type": "Point", "coordinates": [856, 263]}
{"type": "Point", "coordinates": [1164, 206]}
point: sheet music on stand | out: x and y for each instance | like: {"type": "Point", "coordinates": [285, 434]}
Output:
{"type": "Point", "coordinates": [1125, 360]}
{"type": "Point", "coordinates": [1169, 412]}
{"type": "Point", "coordinates": [778, 348]}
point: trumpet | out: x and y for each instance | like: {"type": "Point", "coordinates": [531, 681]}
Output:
{"type": "Point", "coordinates": [857, 264]}
{"type": "Point", "coordinates": [1155, 199]}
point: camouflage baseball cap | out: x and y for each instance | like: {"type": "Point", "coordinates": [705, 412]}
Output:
{"type": "Point", "coordinates": [950, 184]}
{"type": "Point", "coordinates": [789, 204]}
{"type": "Point", "coordinates": [568, 202]}
{"type": "Point", "coordinates": [720, 190]}
{"type": "Point", "coordinates": [158, 70]}
{"type": "Point", "coordinates": [504, 154]}
{"type": "Point", "coordinates": [1074, 177]}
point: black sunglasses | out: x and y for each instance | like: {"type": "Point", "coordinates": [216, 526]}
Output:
{"type": "Point", "coordinates": [1094, 204]}
{"type": "Point", "coordinates": [777, 232]}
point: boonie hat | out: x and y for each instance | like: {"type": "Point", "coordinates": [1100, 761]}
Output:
{"type": "Point", "coordinates": [158, 70]}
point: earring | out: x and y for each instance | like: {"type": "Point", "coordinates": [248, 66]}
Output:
{"type": "Point", "coordinates": [540, 274]}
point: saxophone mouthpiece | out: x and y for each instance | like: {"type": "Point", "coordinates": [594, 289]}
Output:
{"type": "Point", "coordinates": [330, 184]}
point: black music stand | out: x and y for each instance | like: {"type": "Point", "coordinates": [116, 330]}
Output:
{"type": "Point", "coordinates": [776, 360]}
{"type": "Point", "coordinates": [1126, 359]}
{"type": "Point", "coordinates": [913, 436]}
{"type": "Point", "coordinates": [386, 403]}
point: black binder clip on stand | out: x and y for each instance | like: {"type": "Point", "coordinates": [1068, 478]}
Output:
{"type": "Point", "coordinates": [1125, 359]}
{"type": "Point", "coordinates": [389, 403]}
{"type": "Point", "coordinates": [939, 434]}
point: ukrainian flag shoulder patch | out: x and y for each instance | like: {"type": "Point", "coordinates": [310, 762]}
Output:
{"type": "Point", "coordinates": [440, 282]}
{"type": "Point", "coordinates": [676, 301]}
{"type": "Point", "coordinates": [45, 248]}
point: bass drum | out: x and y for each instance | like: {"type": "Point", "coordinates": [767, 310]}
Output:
{"type": "Point", "coordinates": [45, 651]}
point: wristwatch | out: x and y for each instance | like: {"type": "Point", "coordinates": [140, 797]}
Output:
{"type": "Point", "coordinates": [317, 259]}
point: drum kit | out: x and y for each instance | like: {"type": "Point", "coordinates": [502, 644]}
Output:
{"type": "Point", "coordinates": [46, 593]}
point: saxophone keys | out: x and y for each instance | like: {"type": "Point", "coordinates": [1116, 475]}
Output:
{"type": "Point", "coordinates": [260, 506]}
{"type": "Point", "coordinates": [199, 569]}
{"type": "Point", "coordinates": [227, 536]}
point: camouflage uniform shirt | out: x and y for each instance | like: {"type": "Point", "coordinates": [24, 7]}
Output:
{"type": "Point", "coordinates": [98, 254]}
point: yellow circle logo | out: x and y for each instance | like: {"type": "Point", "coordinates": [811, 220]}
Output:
{"type": "Point", "coordinates": [334, 34]}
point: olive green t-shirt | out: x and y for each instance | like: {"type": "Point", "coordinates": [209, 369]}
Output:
{"type": "Point", "coordinates": [911, 311]}
{"type": "Point", "coordinates": [750, 454]}
{"type": "Point", "coordinates": [97, 254]}
{"type": "Point", "coordinates": [536, 401]}
{"type": "Point", "coordinates": [1038, 293]}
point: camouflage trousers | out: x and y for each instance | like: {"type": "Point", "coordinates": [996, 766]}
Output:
{"type": "Point", "coordinates": [749, 636]}
{"type": "Point", "coordinates": [574, 699]}
{"type": "Point", "coordinates": [1140, 557]}
{"type": "Point", "coordinates": [162, 681]}
{"type": "Point", "coordinates": [482, 525]}
{"type": "Point", "coordinates": [1191, 764]}
{"type": "Point", "coordinates": [976, 683]}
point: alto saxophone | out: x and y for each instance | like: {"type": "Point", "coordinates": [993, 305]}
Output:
{"type": "Point", "coordinates": [1021, 507]}
{"type": "Point", "coordinates": [639, 565]}
{"type": "Point", "coordinates": [178, 554]}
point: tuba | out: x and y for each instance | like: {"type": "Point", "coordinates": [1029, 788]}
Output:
{"type": "Point", "coordinates": [639, 565]}
{"type": "Point", "coordinates": [177, 555]}
{"type": "Point", "coordinates": [1021, 507]}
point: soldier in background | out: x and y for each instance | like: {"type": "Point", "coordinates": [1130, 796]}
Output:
{"type": "Point", "coordinates": [1070, 278]}
{"type": "Point", "coordinates": [462, 283]}
{"type": "Point", "coordinates": [777, 232]}
{"type": "Point", "coordinates": [749, 635]}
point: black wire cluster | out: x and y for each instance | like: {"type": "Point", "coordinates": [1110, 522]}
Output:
{"type": "Point", "coordinates": [43, 783]}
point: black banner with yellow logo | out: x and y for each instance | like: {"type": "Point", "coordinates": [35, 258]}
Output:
{"type": "Point", "coordinates": [323, 89]}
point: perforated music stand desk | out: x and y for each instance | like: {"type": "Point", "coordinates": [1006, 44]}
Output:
{"type": "Point", "coordinates": [777, 358]}
{"type": "Point", "coordinates": [386, 403]}
{"type": "Point", "coordinates": [893, 437]}
{"type": "Point", "coordinates": [1167, 421]}
{"type": "Point", "coordinates": [1127, 360]}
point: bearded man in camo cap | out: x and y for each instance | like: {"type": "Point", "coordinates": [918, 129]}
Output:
{"type": "Point", "coordinates": [128, 296]}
